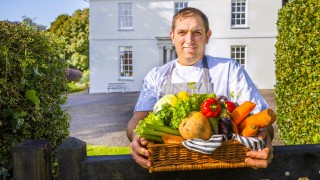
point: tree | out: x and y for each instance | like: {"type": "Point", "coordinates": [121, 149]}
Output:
{"type": "Point", "coordinates": [58, 26]}
{"type": "Point", "coordinates": [32, 88]}
{"type": "Point", "coordinates": [297, 72]}
{"type": "Point", "coordinates": [75, 29]}
{"type": "Point", "coordinates": [30, 22]}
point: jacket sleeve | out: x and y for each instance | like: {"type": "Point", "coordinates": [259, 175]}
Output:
{"type": "Point", "coordinates": [243, 89]}
{"type": "Point", "coordinates": [148, 96]}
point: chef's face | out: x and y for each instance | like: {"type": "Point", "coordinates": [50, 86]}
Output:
{"type": "Point", "coordinates": [190, 39]}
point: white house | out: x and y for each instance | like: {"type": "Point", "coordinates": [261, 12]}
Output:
{"type": "Point", "coordinates": [129, 38]}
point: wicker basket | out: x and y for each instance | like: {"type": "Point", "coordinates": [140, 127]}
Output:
{"type": "Point", "coordinates": [175, 157]}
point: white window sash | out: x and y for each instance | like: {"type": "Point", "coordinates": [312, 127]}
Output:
{"type": "Point", "coordinates": [239, 13]}
{"type": "Point", "coordinates": [180, 5]}
{"type": "Point", "coordinates": [125, 16]}
{"type": "Point", "coordinates": [125, 62]}
{"type": "Point", "coordinates": [238, 53]}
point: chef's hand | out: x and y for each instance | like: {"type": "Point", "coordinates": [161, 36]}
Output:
{"type": "Point", "coordinates": [261, 159]}
{"type": "Point", "coordinates": [139, 151]}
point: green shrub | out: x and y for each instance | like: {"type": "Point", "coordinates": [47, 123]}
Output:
{"type": "Point", "coordinates": [73, 75]}
{"type": "Point", "coordinates": [32, 89]}
{"type": "Point", "coordinates": [297, 72]}
{"type": "Point", "coordinates": [81, 85]}
{"type": "Point", "coordinates": [75, 87]}
{"type": "Point", "coordinates": [85, 78]}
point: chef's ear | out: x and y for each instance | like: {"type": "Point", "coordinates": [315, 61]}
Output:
{"type": "Point", "coordinates": [172, 36]}
{"type": "Point", "coordinates": [208, 35]}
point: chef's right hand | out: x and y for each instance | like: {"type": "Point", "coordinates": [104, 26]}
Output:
{"type": "Point", "coordinates": [139, 151]}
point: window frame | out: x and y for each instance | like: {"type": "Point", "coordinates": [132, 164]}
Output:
{"type": "Point", "coordinates": [241, 60]}
{"type": "Point", "coordinates": [239, 14]}
{"type": "Point", "coordinates": [122, 66]}
{"type": "Point", "coordinates": [128, 16]}
{"type": "Point", "coordinates": [176, 9]}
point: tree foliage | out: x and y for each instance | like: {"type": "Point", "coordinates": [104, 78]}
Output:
{"type": "Point", "coordinates": [297, 72]}
{"type": "Point", "coordinates": [32, 88]}
{"type": "Point", "coordinates": [30, 22]}
{"type": "Point", "coordinates": [75, 29]}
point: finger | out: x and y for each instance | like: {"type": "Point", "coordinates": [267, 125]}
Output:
{"type": "Point", "coordinates": [263, 154]}
{"type": "Point", "coordinates": [137, 148]}
{"type": "Point", "coordinates": [142, 160]}
{"type": "Point", "coordinates": [269, 148]}
{"type": "Point", "coordinates": [259, 159]}
{"type": "Point", "coordinates": [265, 132]}
{"type": "Point", "coordinates": [144, 141]}
{"type": "Point", "coordinates": [140, 154]}
{"type": "Point", "coordinates": [266, 153]}
{"type": "Point", "coordinates": [257, 163]}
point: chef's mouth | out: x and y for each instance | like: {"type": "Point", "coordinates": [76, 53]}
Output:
{"type": "Point", "coordinates": [189, 47]}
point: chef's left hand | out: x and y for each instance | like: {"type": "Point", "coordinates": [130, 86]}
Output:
{"type": "Point", "coordinates": [261, 159]}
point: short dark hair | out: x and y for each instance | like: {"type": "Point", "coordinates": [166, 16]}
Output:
{"type": "Point", "coordinates": [190, 12]}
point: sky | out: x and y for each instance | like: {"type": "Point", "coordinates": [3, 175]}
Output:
{"type": "Point", "coordinates": [42, 12]}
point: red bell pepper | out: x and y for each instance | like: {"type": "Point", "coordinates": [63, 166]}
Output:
{"type": "Point", "coordinates": [230, 106]}
{"type": "Point", "coordinates": [210, 108]}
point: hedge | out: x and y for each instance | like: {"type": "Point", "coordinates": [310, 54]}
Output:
{"type": "Point", "coordinates": [32, 89]}
{"type": "Point", "coordinates": [297, 72]}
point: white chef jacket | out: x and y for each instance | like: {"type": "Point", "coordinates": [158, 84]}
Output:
{"type": "Point", "coordinates": [229, 78]}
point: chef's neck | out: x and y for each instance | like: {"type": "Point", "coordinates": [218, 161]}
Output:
{"type": "Point", "coordinates": [188, 62]}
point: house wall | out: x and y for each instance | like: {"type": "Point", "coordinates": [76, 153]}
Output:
{"type": "Point", "coordinates": [259, 61]}
{"type": "Point", "coordinates": [152, 18]}
{"type": "Point", "coordinates": [104, 57]}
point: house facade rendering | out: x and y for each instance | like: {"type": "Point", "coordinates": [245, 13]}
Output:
{"type": "Point", "coordinates": [129, 38]}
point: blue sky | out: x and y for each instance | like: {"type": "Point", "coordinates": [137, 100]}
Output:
{"type": "Point", "coordinates": [41, 11]}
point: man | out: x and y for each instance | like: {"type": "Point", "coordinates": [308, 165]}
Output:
{"type": "Point", "coordinates": [190, 33]}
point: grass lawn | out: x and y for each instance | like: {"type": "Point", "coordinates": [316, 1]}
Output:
{"type": "Point", "coordinates": [107, 150]}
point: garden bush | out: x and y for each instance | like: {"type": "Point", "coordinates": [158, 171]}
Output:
{"type": "Point", "coordinates": [297, 72]}
{"type": "Point", "coordinates": [32, 89]}
{"type": "Point", "coordinates": [73, 75]}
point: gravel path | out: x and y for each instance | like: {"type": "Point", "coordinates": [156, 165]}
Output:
{"type": "Point", "coordinates": [101, 119]}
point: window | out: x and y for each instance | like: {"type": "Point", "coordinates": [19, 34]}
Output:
{"type": "Point", "coordinates": [125, 16]}
{"type": "Point", "coordinates": [238, 13]}
{"type": "Point", "coordinates": [238, 53]}
{"type": "Point", "coordinates": [179, 5]}
{"type": "Point", "coordinates": [125, 56]}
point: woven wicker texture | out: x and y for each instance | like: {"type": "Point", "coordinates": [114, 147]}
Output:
{"type": "Point", "coordinates": [175, 157]}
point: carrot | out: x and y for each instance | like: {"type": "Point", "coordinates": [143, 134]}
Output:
{"type": "Point", "coordinates": [250, 130]}
{"type": "Point", "coordinates": [261, 119]}
{"type": "Point", "coordinates": [242, 111]}
{"type": "Point", "coordinates": [234, 127]}
{"type": "Point", "coordinates": [172, 139]}
{"type": "Point", "coordinates": [243, 124]}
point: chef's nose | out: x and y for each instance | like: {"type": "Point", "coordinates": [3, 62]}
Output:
{"type": "Point", "coordinates": [189, 38]}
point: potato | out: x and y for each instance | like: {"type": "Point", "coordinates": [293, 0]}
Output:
{"type": "Point", "coordinates": [195, 125]}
